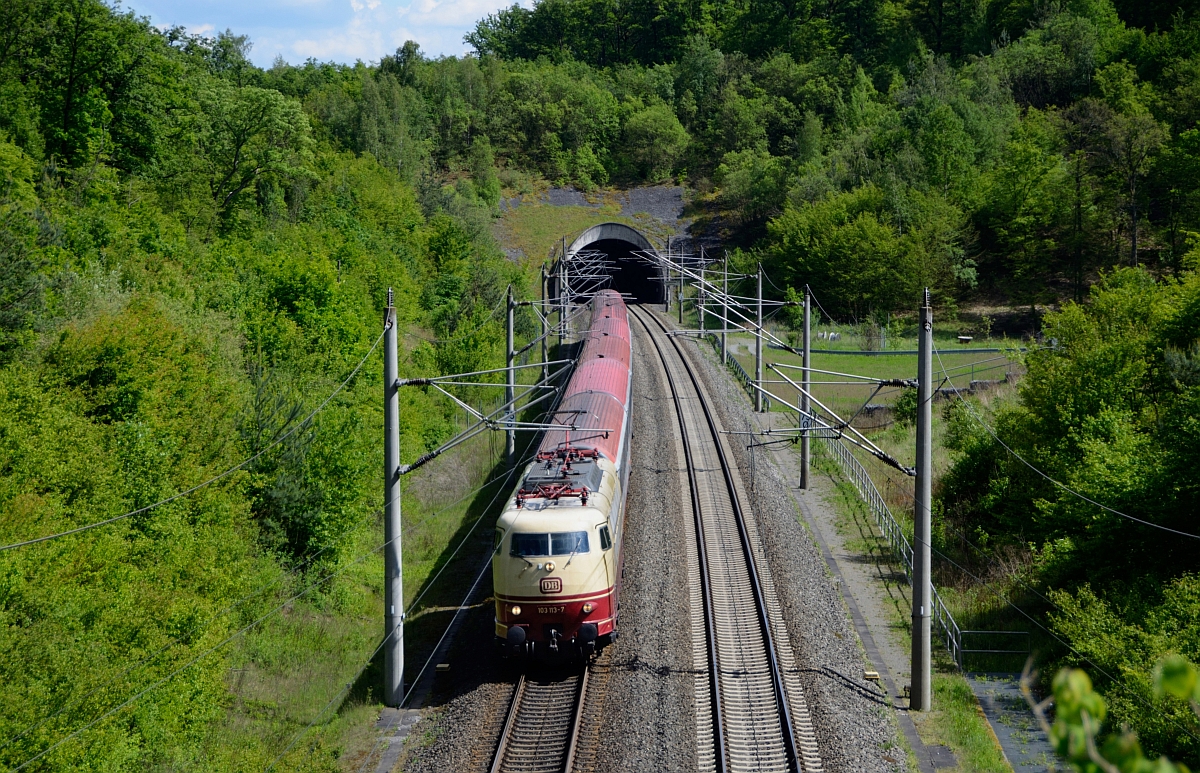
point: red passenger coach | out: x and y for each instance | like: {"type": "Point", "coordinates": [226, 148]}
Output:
{"type": "Point", "coordinates": [557, 564]}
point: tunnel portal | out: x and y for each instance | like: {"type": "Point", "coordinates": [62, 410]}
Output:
{"type": "Point", "coordinates": [631, 273]}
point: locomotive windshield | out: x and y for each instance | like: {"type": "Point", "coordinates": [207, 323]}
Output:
{"type": "Point", "coordinates": [567, 542]}
{"type": "Point", "coordinates": [562, 543]}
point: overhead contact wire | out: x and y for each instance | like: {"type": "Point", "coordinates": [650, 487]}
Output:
{"type": "Point", "coordinates": [205, 653]}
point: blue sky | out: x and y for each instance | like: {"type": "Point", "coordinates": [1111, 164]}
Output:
{"type": "Point", "coordinates": [329, 30]}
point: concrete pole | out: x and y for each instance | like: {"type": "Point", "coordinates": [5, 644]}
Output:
{"type": "Point", "coordinates": [567, 277]}
{"type": "Point", "coordinates": [681, 290]}
{"type": "Point", "coordinates": [545, 314]}
{"type": "Point", "coordinates": [758, 358]}
{"type": "Point", "coordinates": [700, 294]}
{"type": "Point", "coordinates": [561, 304]}
{"type": "Point", "coordinates": [922, 694]}
{"type": "Point", "coordinates": [725, 311]}
{"type": "Point", "coordinates": [667, 281]}
{"type": "Point", "coordinates": [510, 445]}
{"type": "Point", "coordinates": [393, 577]}
{"type": "Point", "coordinates": [806, 381]}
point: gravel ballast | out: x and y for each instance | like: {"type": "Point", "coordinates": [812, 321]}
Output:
{"type": "Point", "coordinates": [648, 721]}
{"type": "Point", "coordinates": [641, 712]}
{"type": "Point", "coordinates": [640, 709]}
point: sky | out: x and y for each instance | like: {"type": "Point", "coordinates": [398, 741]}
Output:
{"type": "Point", "coordinates": [328, 30]}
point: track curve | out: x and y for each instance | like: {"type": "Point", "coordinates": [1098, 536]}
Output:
{"type": "Point", "coordinates": [758, 710]}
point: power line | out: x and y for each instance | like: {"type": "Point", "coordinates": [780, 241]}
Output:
{"type": "Point", "coordinates": [991, 558]}
{"type": "Point", "coordinates": [432, 655]}
{"type": "Point", "coordinates": [1062, 486]}
{"type": "Point", "coordinates": [980, 581]}
{"type": "Point", "coordinates": [429, 583]}
{"type": "Point", "coordinates": [303, 423]}
{"type": "Point", "coordinates": [813, 295]}
{"type": "Point", "coordinates": [474, 585]}
{"type": "Point", "coordinates": [173, 641]}
{"type": "Point", "coordinates": [308, 562]}
{"type": "Point", "coordinates": [491, 315]}
{"type": "Point", "coordinates": [1055, 636]}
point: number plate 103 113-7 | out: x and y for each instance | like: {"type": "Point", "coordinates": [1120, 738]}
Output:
{"type": "Point", "coordinates": [551, 610]}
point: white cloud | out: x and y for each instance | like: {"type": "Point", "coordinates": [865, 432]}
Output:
{"type": "Point", "coordinates": [337, 30]}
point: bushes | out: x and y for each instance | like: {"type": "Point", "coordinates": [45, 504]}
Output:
{"type": "Point", "coordinates": [1109, 411]}
{"type": "Point", "coordinates": [166, 319]}
{"type": "Point", "coordinates": [849, 248]}
{"type": "Point", "coordinates": [654, 142]}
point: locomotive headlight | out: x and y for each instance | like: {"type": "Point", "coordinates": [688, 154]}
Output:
{"type": "Point", "coordinates": [588, 607]}
{"type": "Point", "coordinates": [549, 566]}
{"type": "Point", "coordinates": [516, 610]}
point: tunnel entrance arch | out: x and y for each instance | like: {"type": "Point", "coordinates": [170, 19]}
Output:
{"type": "Point", "coordinates": [620, 252]}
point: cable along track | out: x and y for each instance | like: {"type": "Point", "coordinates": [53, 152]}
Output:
{"type": "Point", "coordinates": [542, 727]}
{"type": "Point", "coordinates": [757, 703]}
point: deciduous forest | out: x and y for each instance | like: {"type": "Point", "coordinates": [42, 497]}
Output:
{"type": "Point", "coordinates": [195, 252]}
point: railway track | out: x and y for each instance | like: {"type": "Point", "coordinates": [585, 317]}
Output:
{"type": "Point", "coordinates": [543, 723]}
{"type": "Point", "coordinates": [759, 719]}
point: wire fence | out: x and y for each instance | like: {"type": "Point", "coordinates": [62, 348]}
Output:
{"type": "Point", "coordinates": [891, 530]}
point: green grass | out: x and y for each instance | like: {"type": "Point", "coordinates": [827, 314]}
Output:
{"type": "Point", "coordinates": [536, 228]}
{"type": "Point", "coordinates": [955, 368]}
{"type": "Point", "coordinates": [285, 673]}
{"type": "Point", "coordinates": [957, 722]}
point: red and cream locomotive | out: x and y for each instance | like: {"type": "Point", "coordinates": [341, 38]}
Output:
{"type": "Point", "coordinates": [557, 564]}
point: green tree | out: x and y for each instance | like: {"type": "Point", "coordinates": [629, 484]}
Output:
{"type": "Point", "coordinates": [654, 142]}
{"type": "Point", "coordinates": [245, 135]}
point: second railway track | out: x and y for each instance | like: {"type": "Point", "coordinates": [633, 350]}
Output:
{"type": "Point", "coordinates": [759, 714]}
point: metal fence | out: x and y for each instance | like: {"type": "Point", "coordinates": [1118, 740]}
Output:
{"type": "Point", "coordinates": [739, 372]}
{"type": "Point", "coordinates": [945, 625]}
{"type": "Point", "coordinates": [947, 628]}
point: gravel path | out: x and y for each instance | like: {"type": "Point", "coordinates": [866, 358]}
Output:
{"type": "Point", "coordinates": [856, 730]}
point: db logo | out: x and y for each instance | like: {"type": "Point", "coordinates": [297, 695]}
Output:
{"type": "Point", "coordinates": [551, 585]}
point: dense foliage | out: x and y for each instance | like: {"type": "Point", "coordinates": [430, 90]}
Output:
{"type": "Point", "coordinates": [1024, 152]}
{"type": "Point", "coordinates": [191, 260]}
{"type": "Point", "coordinates": [194, 251]}
{"type": "Point", "coordinates": [1005, 147]}
{"type": "Point", "coordinates": [1110, 411]}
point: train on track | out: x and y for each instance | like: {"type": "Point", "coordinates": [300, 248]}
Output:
{"type": "Point", "coordinates": [558, 555]}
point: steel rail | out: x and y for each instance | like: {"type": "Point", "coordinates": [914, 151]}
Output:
{"type": "Point", "coordinates": [709, 615]}
{"type": "Point", "coordinates": [541, 731]}
{"type": "Point", "coordinates": [785, 719]}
